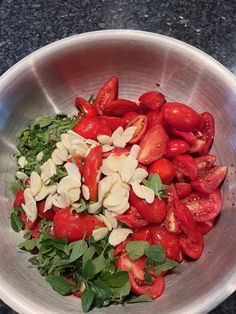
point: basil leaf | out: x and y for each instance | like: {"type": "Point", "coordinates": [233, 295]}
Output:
{"type": "Point", "coordinates": [88, 254]}
{"type": "Point", "coordinates": [87, 299]}
{"type": "Point", "coordinates": [141, 298]}
{"type": "Point", "coordinates": [117, 279]}
{"type": "Point", "coordinates": [169, 264]}
{"type": "Point", "coordinates": [136, 249]}
{"type": "Point", "coordinates": [27, 245]}
{"type": "Point", "coordinates": [78, 249]}
{"type": "Point", "coordinates": [156, 253]}
{"type": "Point", "coordinates": [16, 223]}
{"type": "Point", "coordinates": [59, 284]}
{"type": "Point", "coordinates": [99, 264]}
{"type": "Point", "coordinates": [89, 270]}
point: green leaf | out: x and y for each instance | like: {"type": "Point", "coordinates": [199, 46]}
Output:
{"type": "Point", "coordinates": [59, 284]}
{"type": "Point", "coordinates": [87, 299]}
{"type": "Point", "coordinates": [15, 186]}
{"type": "Point", "coordinates": [101, 289]}
{"type": "Point", "coordinates": [147, 277]}
{"type": "Point", "coordinates": [121, 292]}
{"type": "Point", "coordinates": [140, 298]}
{"type": "Point", "coordinates": [156, 253]}
{"type": "Point", "coordinates": [16, 223]}
{"type": "Point", "coordinates": [111, 254]}
{"type": "Point", "coordinates": [99, 264]}
{"type": "Point", "coordinates": [168, 264]}
{"type": "Point", "coordinates": [136, 249]}
{"type": "Point", "coordinates": [117, 279]}
{"type": "Point", "coordinates": [154, 183]}
{"type": "Point", "coordinates": [88, 254]}
{"type": "Point", "coordinates": [89, 270]}
{"type": "Point", "coordinates": [91, 99]}
{"type": "Point", "coordinates": [27, 245]}
{"type": "Point", "coordinates": [83, 207]}
{"type": "Point", "coordinates": [78, 249]}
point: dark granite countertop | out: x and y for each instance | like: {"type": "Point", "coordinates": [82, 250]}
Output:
{"type": "Point", "coordinates": [26, 25]}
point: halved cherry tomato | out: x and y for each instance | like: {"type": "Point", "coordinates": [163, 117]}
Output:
{"type": "Point", "coordinates": [153, 213]}
{"type": "Point", "coordinates": [120, 248]}
{"type": "Point", "coordinates": [153, 145]}
{"type": "Point", "coordinates": [26, 221]}
{"type": "Point", "coordinates": [181, 117]}
{"type": "Point", "coordinates": [73, 226]}
{"type": "Point", "coordinates": [152, 100]}
{"type": "Point", "coordinates": [176, 147]}
{"type": "Point", "coordinates": [206, 226]}
{"type": "Point", "coordinates": [183, 189]}
{"type": "Point", "coordinates": [189, 137]}
{"type": "Point", "coordinates": [35, 230]}
{"type": "Point", "coordinates": [84, 106]}
{"type": "Point", "coordinates": [119, 107]}
{"type": "Point", "coordinates": [19, 198]}
{"type": "Point", "coordinates": [48, 215]}
{"type": "Point", "coordinates": [197, 146]}
{"type": "Point", "coordinates": [207, 128]}
{"type": "Point", "coordinates": [154, 118]}
{"type": "Point", "coordinates": [171, 223]}
{"type": "Point", "coordinates": [164, 168]}
{"type": "Point", "coordinates": [186, 165]}
{"type": "Point", "coordinates": [91, 167]}
{"type": "Point", "coordinates": [143, 234]}
{"type": "Point", "coordinates": [92, 127]}
{"type": "Point", "coordinates": [128, 116]}
{"type": "Point", "coordinates": [202, 206]}
{"type": "Point", "coordinates": [106, 94]}
{"type": "Point", "coordinates": [117, 151]}
{"type": "Point", "coordinates": [210, 179]}
{"type": "Point", "coordinates": [78, 161]}
{"type": "Point", "coordinates": [205, 162]}
{"type": "Point", "coordinates": [113, 122]}
{"type": "Point", "coordinates": [190, 248]}
{"type": "Point", "coordinates": [132, 218]}
{"type": "Point", "coordinates": [140, 123]}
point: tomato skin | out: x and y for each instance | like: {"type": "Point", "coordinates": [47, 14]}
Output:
{"type": "Point", "coordinates": [73, 226]}
{"type": "Point", "coordinates": [143, 234]}
{"type": "Point", "coordinates": [205, 226]}
{"type": "Point", "coordinates": [171, 223]}
{"type": "Point", "coordinates": [119, 107]}
{"type": "Point", "coordinates": [19, 198]}
{"type": "Point", "coordinates": [176, 147]}
{"type": "Point", "coordinates": [117, 151]}
{"type": "Point", "coordinates": [207, 128]}
{"type": "Point", "coordinates": [128, 116]}
{"type": "Point", "coordinates": [120, 248]}
{"type": "Point", "coordinates": [91, 167]}
{"type": "Point", "coordinates": [186, 165]}
{"type": "Point", "coordinates": [91, 127]}
{"type": "Point", "coordinates": [26, 221]}
{"type": "Point", "coordinates": [84, 106]}
{"type": "Point", "coordinates": [154, 117]}
{"type": "Point", "coordinates": [181, 117]}
{"type": "Point", "coordinates": [152, 213]}
{"type": "Point", "coordinates": [113, 122]}
{"type": "Point", "coordinates": [49, 214]}
{"type": "Point", "coordinates": [205, 162]}
{"type": "Point", "coordinates": [190, 248]}
{"type": "Point", "coordinates": [107, 93]}
{"type": "Point", "coordinates": [140, 123]}
{"type": "Point", "coordinates": [188, 137]}
{"type": "Point", "coordinates": [204, 207]}
{"type": "Point", "coordinates": [164, 168]}
{"type": "Point", "coordinates": [183, 189]}
{"type": "Point", "coordinates": [132, 218]}
{"type": "Point", "coordinates": [152, 100]}
{"type": "Point", "coordinates": [153, 145]}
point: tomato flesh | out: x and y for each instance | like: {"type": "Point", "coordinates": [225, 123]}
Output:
{"type": "Point", "coordinates": [128, 116]}
{"type": "Point", "coordinates": [205, 162]}
{"type": "Point", "coordinates": [207, 128]}
{"type": "Point", "coordinates": [164, 168]}
{"type": "Point", "coordinates": [19, 198]}
{"type": "Point", "coordinates": [140, 123]}
{"type": "Point", "coordinates": [190, 248]}
{"type": "Point", "coordinates": [154, 117]}
{"type": "Point", "coordinates": [84, 106]}
{"type": "Point", "coordinates": [132, 218]}
{"type": "Point", "coordinates": [91, 127]}
{"type": "Point", "coordinates": [183, 189]}
{"type": "Point", "coordinates": [48, 215]}
{"type": "Point", "coordinates": [186, 165]}
{"type": "Point", "coordinates": [119, 107]}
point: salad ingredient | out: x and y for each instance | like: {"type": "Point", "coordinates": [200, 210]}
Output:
{"type": "Point", "coordinates": [91, 127]}
{"type": "Point", "coordinates": [152, 100]}
{"type": "Point", "coordinates": [119, 107]}
{"type": "Point", "coordinates": [140, 123]}
{"type": "Point", "coordinates": [85, 107]}
{"type": "Point", "coordinates": [164, 168]}
{"type": "Point", "coordinates": [176, 147]}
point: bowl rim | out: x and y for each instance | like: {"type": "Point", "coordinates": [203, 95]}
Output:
{"type": "Point", "coordinates": [223, 289]}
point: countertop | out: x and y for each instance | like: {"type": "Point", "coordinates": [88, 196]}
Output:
{"type": "Point", "coordinates": [26, 25]}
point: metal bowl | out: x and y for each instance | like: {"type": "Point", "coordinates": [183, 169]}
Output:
{"type": "Point", "coordinates": [47, 81]}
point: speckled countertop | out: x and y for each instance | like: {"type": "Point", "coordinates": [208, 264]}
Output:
{"type": "Point", "coordinates": [26, 25]}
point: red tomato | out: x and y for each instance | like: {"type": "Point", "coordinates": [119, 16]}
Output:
{"type": "Point", "coordinates": [19, 199]}
{"type": "Point", "coordinates": [189, 248]}
{"type": "Point", "coordinates": [35, 230]}
{"type": "Point", "coordinates": [189, 137]}
{"type": "Point", "coordinates": [84, 106]}
{"type": "Point", "coordinates": [154, 118]}
{"type": "Point", "coordinates": [132, 218]}
{"type": "Point", "coordinates": [136, 277]}
{"type": "Point", "coordinates": [119, 107]}
{"type": "Point", "coordinates": [26, 221]}
{"type": "Point", "coordinates": [92, 127]}
{"type": "Point", "coordinates": [205, 162]}
{"type": "Point", "coordinates": [107, 93]}
{"type": "Point", "coordinates": [91, 167]}
{"type": "Point", "coordinates": [74, 226]}
{"type": "Point", "coordinates": [72, 282]}
{"type": "Point", "coordinates": [183, 189]}
{"type": "Point", "coordinates": [78, 161]}
{"type": "Point", "coordinates": [113, 122]}
{"type": "Point", "coordinates": [181, 117]}
{"type": "Point", "coordinates": [120, 248]}
{"type": "Point", "coordinates": [164, 168]}
{"type": "Point", "coordinates": [176, 147]}
{"type": "Point", "coordinates": [210, 179]}
{"type": "Point", "coordinates": [171, 223]}
{"type": "Point", "coordinates": [143, 234]}
{"type": "Point", "coordinates": [186, 165]}
{"type": "Point", "coordinates": [197, 146]}
{"type": "Point", "coordinates": [153, 213]}
{"type": "Point", "coordinates": [153, 145]}
{"type": "Point", "coordinates": [48, 215]}
{"type": "Point", "coordinates": [202, 206]}
{"type": "Point", "coordinates": [207, 128]}
{"type": "Point", "coordinates": [117, 151]}
{"type": "Point", "coordinates": [206, 226]}
{"type": "Point", "coordinates": [152, 100]}
{"type": "Point", "coordinates": [140, 123]}
{"type": "Point", "coordinates": [128, 116]}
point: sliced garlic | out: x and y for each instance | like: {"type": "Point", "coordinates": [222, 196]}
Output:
{"type": "Point", "coordinates": [93, 208]}
{"type": "Point", "coordinates": [59, 156]}
{"type": "Point", "coordinates": [48, 170]}
{"type": "Point", "coordinates": [104, 187]}
{"type": "Point", "coordinates": [65, 141]}
{"type": "Point", "coordinates": [22, 162]}
{"type": "Point", "coordinates": [21, 175]}
{"type": "Point", "coordinates": [148, 194]}
{"type": "Point", "coordinates": [121, 208]}
{"type": "Point", "coordinates": [35, 183]}
{"type": "Point", "coordinates": [100, 233]}
{"type": "Point", "coordinates": [119, 235]}
{"type": "Point", "coordinates": [106, 221]}
{"type": "Point", "coordinates": [111, 218]}
{"type": "Point", "coordinates": [85, 191]}
{"type": "Point", "coordinates": [72, 170]}
{"type": "Point", "coordinates": [104, 139]}
{"type": "Point", "coordinates": [117, 133]}
{"type": "Point", "coordinates": [128, 133]}
{"type": "Point", "coordinates": [48, 203]}
{"type": "Point", "coordinates": [127, 168]}
{"type": "Point", "coordinates": [67, 183]}
{"type": "Point", "coordinates": [28, 196]}
{"type": "Point", "coordinates": [139, 175]}
{"type": "Point", "coordinates": [107, 148]}
{"type": "Point", "coordinates": [58, 201]}
{"type": "Point", "coordinates": [118, 141]}
{"type": "Point", "coordinates": [65, 198]}
{"type": "Point", "coordinates": [45, 191]}
{"type": "Point", "coordinates": [134, 150]}
{"type": "Point", "coordinates": [30, 209]}
{"type": "Point", "coordinates": [91, 142]}
{"type": "Point", "coordinates": [137, 189]}
{"type": "Point", "coordinates": [74, 194]}
{"type": "Point", "coordinates": [39, 157]}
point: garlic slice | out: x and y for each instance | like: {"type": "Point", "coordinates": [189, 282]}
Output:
{"type": "Point", "coordinates": [119, 235]}
{"type": "Point", "coordinates": [39, 157]}
{"type": "Point", "coordinates": [30, 209]}
{"type": "Point", "coordinates": [104, 187]}
{"type": "Point", "coordinates": [22, 162]}
{"type": "Point", "coordinates": [104, 139]}
{"type": "Point", "coordinates": [139, 175]}
{"type": "Point", "coordinates": [100, 233]}
{"type": "Point", "coordinates": [67, 183]}
{"type": "Point", "coordinates": [35, 183]}
{"type": "Point", "coordinates": [127, 168]}
{"type": "Point", "coordinates": [45, 191]}
{"type": "Point", "coordinates": [72, 170]}
{"type": "Point", "coordinates": [28, 196]}
{"type": "Point", "coordinates": [106, 221]}
{"type": "Point", "coordinates": [85, 192]}
{"type": "Point", "coordinates": [48, 203]}
{"type": "Point", "coordinates": [93, 208]}
{"type": "Point", "coordinates": [111, 218]}
{"type": "Point", "coordinates": [148, 194]}
{"type": "Point", "coordinates": [21, 175]}
{"type": "Point", "coordinates": [134, 150]}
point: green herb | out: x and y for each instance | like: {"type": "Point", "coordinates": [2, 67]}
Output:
{"type": "Point", "coordinates": [89, 270]}
{"type": "Point", "coordinates": [168, 264]}
{"type": "Point", "coordinates": [141, 298]}
{"type": "Point", "coordinates": [156, 253]}
{"type": "Point", "coordinates": [15, 186]}
{"type": "Point", "coordinates": [117, 279]}
{"type": "Point", "coordinates": [83, 207]}
{"type": "Point", "coordinates": [136, 249]}
{"type": "Point", "coordinates": [154, 183]}
{"type": "Point", "coordinates": [78, 249]}
{"type": "Point", "coordinates": [91, 99]}
{"type": "Point", "coordinates": [99, 264]}
{"type": "Point", "coordinates": [59, 284]}
{"type": "Point", "coordinates": [87, 299]}
{"type": "Point", "coordinates": [16, 223]}
{"type": "Point", "coordinates": [88, 254]}
{"type": "Point", "coordinates": [28, 245]}
{"type": "Point", "coordinates": [147, 277]}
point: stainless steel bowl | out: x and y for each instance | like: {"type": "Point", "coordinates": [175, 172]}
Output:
{"type": "Point", "coordinates": [47, 81]}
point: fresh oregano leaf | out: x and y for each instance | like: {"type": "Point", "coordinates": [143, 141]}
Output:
{"type": "Point", "coordinates": [101, 289]}
{"type": "Point", "coordinates": [16, 223]}
{"type": "Point", "coordinates": [117, 279]}
{"type": "Point", "coordinates": [59, 284]}
{"type": "Point", "coordinates": [154, 182]}
{"type": "Point", "coordinates": [99, 264]}
{"type": "Point", "coordinates": [87, 299]}
{"type": "Point", "coordinates": [27, 245]}
{"type": "Point", "coordinates": [78, 249]}
{"type": "Point", "coordinates": [89, 270]}
{"type": "Point", "coordinates": [168, 264]}
{"type": "Point", "coordinates": [88, 254]}
{"type": "Point", "coordinates": [147, 276]}
{"type": "Point", "coordinates": [156, 253]}
{"type": "Point", "coordinates": [140, 298]}
{"type": "Point", "coordinates": [136, 249]}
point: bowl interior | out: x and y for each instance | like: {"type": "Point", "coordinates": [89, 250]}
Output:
{"type": "Point", "coordinates": [47, 82]}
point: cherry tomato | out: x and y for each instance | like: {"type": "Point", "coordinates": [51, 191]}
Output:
{"type": "Point", "coordinates": [143, 234]}
{"type": "Point", "coordinates": [171, 223]}
{"type": "Point", "coordinates": [153, 145]}
{"type": "Point", "coordinates": [183, 189]}
{"type": "Point", "coordinates": [152, 100]}
{"type": "Point", "coordinates": [72, 282]}
{"type": "Point", "coordinates": [140, 123]}
{"type": "Point", "coordinates": [176, 147]}
{"type": "Point", "coordinates": [186, 165]}
{"type": "Point", "coordinates": [35, 230]}
{"type": "Point", "coordinates": [119, 107]}
{"type": "Point", "coordinates": [84, 106]}
{"type": "Point", "coordinates": [91, 167]}
{"type": "Point", "coordinates": [190, 248]}
{"type": "Point", "coordinates": [90, 128]}
{"type": "Point", "coordinates": [189, 137]}
{"type": "Point", "coordinates": [120, 248]}
{"type": "Point", "coordinates": [117, 151]}
{"type": "Point", "coordinates": [181, 117]}
{"type": "Point", "coordinates": [206, 226]}
{"type": "Point", "coordinates": [19, 198]}
{"type": "Point", "coordinates": [197, 146]}
{"type": "Point", "coordinates": [210, 179]}
{"type": "Point", "coordinates": [48, 215]}
{"type": "Point", "coordinates": [78, 161]}
{"type": "Point", "coordinates": [202, 206]}
{"type": "Point", "coordinates": [153, 213]}
{"type": "Point", "coordinates": [128, 116]}
{"type": "Point", "coordinates": [26, 221]}
{"type": "Point", "coordinates": [154, 118]}
{"type": "Point", "coordinates": [207, 128]}
{"type": "Point", "coordinates": [107, 93]}
{"type": "Point", "coordinates": [113, 122]}
{"type": "Point", "coordinates": [132, 218]}
{"type": "Point", "coordinates": [164, 168]}
{"type": "Point", "coordinates": [73, 226]}
{"type": "Point", "coordinates": [205, 162]}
